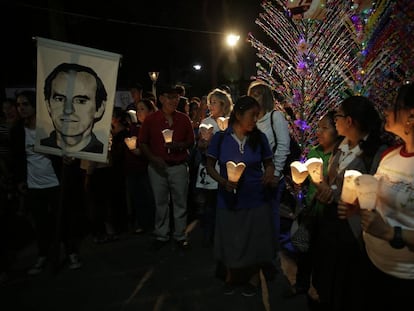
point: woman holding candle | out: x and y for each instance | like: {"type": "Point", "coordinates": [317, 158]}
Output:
{"type": "Point", "coordinates": [244, 228]}
{"type": "Point", "coordinates": [139, 192]}
{"type": "Point", "coordinates": [340, 267]}
{"type": "Point", "coordinates": [389, 228]}
{"type": "Point", "coordinates": [205, 194]}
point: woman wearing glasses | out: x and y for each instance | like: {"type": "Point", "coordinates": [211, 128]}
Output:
{"type": "Point", "coordinates": [340, 260]}
{"type": "Point", "coordinates": [389, 228]}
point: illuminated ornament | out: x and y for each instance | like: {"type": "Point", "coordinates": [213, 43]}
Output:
{"type": "Point", "coordinates": [311, 9]}
{"type": "Point", "coordinates": [302, 68]}
{"type": "Point", "coordinates": [302, 46]}
{"type": "Point", "coordinates": [302, 125]}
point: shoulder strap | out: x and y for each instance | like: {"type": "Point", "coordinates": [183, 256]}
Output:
{"type": "Point", "coordinates": [273, 130]}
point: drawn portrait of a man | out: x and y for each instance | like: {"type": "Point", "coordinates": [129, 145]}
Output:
{"type": "Point", "coordinates": [75, 97]}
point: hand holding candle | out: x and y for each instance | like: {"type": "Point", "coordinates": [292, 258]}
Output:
{"type": "Point", "coordinates": [131, 142]}
{"type": "Point", "coordinates": [366, 189]}
{"type": "Point", "coordinates": [168, 135]}
{"type": "Point", "coordinates": [206, 131]}
{"type": "Point", "coordinates": [223, 122]}
{"type": "Point", "coordinates": [234, 171]}
{"type": "Point", "coordinates": [299, 172]}
{"type": "Point", "coordinates": [348, 194]}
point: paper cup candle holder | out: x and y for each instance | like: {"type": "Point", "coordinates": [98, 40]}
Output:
{"type": "Point", "coordinates": [299, 172]}
{"type": "Point", "coordinates": [366, 187]}
{"type": "Point", "coordinates": [234, 171]}
{"type": "Point", "coordinates": [131, 142]}
{"type": "Point", "coordinates": [223, 122]}
{"type": "Point", "coordinates": [206, 131]}
{"type": "Point", "coordinates": [349, 194]}
{"type": "Point", "coordinates": [312, 167]}
{"type": "Point", "coordinates": [168, 135]}
{"type": "Point", "coordinates": [315, 167]}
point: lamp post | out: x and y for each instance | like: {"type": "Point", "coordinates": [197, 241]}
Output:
{"type": "Point", "coordinates": [154, 77]}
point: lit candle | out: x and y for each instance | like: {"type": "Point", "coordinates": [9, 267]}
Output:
{"type": "Point", "coordinates": [131, 142]}
{"type": "Point", "coordinates": [348, 194]}
{"type": "Point", "coordinates": [366, 188]}
{"type": "Point", "coordinates": [222, 122]}
{"type": "Point", "coordinates": [206, 131]}
{"type": "Point", "coordinates": [299, 172]}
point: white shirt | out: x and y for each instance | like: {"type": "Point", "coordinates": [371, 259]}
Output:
{"type": "Point", "coordinates": [395, 203]}
{"type": "Point", "coordinates": [281, 129]}
{"type": "Point", "coordinates": [40, 172]}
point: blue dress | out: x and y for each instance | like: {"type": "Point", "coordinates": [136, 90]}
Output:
{"type": "Point", "coordinates": [244, 226]}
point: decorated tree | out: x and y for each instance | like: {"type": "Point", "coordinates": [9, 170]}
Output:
{"type": "Point", "coordinates": [320, 52]}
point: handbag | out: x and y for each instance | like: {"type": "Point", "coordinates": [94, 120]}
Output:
{"type": "Point", "coordinates": [299, 232]}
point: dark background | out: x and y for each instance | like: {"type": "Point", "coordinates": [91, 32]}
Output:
{"type": "Point", "coordinates": [165, 36]}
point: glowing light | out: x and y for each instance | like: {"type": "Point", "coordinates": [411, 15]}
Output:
{"type": "Point", "coordinates": [232, 39]}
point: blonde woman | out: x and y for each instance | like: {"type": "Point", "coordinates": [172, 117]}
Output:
{"type": "Point", "coordinates": [220, 104]}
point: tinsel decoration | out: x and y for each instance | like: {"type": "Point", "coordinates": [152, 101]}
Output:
{"type": "Point", "coordinates": [315, 63]}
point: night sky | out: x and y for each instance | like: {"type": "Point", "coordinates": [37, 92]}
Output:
{"type": "Point", "coordinates": [164, 36]}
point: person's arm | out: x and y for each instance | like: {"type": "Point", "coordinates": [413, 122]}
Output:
{"type": "Point", "coordinates": [281, 128]}
{"type": "Point", "coordinates": [211, 170]}
{"type": "Point", "coordinates": [269, 169]}
{"type": "Point", "coordinates": [374, 224]}
{"type": "Point", "coordinates": [154, 160]}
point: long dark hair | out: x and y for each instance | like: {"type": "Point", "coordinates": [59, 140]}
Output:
{"type": "Point", "coordinates": [404, 99]}
{"type": "Point", "coordinates": [243, 104]}
{"type": "Point", "coordinates": [368, 120]}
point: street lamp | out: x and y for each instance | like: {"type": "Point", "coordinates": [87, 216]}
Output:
{"type": "Point", "coordinates": [154, 77]}
{"type": "Point", "coordinates": [232, 40]}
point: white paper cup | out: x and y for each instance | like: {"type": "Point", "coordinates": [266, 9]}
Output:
{"type": "Point", "coordinates": [348, 194]}
{"type": "Point", "coordinates": [234, 171]}
{"type": "Point", "coordinates": [299, 172]}
{"type": "Point", "coordinates": [168, 135]}
{"type": "Point", "coordinates": [366, 188]}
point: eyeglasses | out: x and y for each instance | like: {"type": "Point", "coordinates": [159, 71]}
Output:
{"type": "Point", "coordinates": [339, 116]}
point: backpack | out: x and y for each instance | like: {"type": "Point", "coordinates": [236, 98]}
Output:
{"type": "Point", "coordinates": [294, 147]}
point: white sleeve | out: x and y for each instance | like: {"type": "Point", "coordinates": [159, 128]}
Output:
{"type": "Point", "coordinates": [281, 128]}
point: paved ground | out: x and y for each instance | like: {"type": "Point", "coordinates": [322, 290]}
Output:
{"type": "Point", "coordinates": [125, 275]}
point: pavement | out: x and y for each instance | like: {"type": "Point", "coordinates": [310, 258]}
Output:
{"type": "Point", "coordinates": [126, 275]}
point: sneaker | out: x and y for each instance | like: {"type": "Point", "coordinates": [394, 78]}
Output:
{"type": "Point", "coordinates": [139, 231]}
{"type": "Point", "coordinates": [38, 266]}
{"type": "Point", "coordinates": [74, 262]}
{"type": "Point", "coordinates": [183, 245]}
{"type": "Point", "coordinates": [249, 290]}
{"type": "Point", "coordinates": [228, 289]}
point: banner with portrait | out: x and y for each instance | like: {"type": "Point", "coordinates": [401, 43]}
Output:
{"type": "Point", "coordinates": [76, 89]}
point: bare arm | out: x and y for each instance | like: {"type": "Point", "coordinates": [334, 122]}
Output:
{"type": "Point", "coordinates": [154, 160]}
{"type": "Point", "coordinates": [211, 170]}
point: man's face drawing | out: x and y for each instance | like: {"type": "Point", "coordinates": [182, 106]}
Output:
{"type": "Point", "coordinates": [72, 105]}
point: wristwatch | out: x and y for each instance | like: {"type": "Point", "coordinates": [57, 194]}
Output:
{"type": "Point", "coordinates": [397, 241]}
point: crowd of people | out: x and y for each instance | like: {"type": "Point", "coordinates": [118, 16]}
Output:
{"type": "Point", "coordinates": [158, 185]}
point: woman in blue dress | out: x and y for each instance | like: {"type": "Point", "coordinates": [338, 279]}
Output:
{"type": "Point", "coordinates": [244, 238]}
